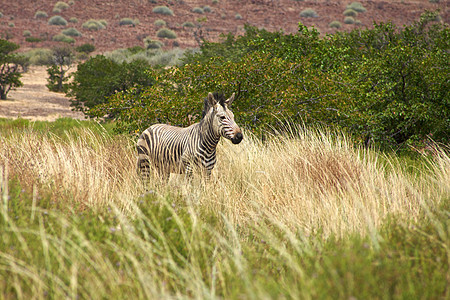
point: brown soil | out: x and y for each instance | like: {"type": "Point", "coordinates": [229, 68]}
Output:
{"type": "Point", "coordinates": [35, 102]}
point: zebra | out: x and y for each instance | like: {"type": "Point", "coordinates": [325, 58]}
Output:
{"type": "Point", "coordinates": [171, 149]}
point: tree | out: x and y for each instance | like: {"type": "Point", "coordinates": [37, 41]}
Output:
{"type": "Point", "coordinates": [62, 61]}
{"type": "Point", "coordinates": [10, 64]}
{"type": "Point", "coordinates": [100, 77]}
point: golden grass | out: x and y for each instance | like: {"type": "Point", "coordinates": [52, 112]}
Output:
{"type": "Point", "coordinates": [313, 180]}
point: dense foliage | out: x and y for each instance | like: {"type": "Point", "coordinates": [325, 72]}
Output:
{"type": "Point", "coordinates": [10, 64]}
{"type": "Point", "coordinates": [100, 77]}
{"type": "Point", "coordinates": [386, 84]}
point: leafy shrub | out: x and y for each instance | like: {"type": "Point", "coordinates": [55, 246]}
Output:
{"type": "Point", "coordinates": [39, 56]}
{"type": "Point", "coordinates": [57, 20]}
{"type": "Point", "coordinates": [11, 24]}
{"type": "Point", "coordinates": [63, 38]}
{"type": "Point", "coordinates": [100, 77]}
{"type": "Point", "coordinates": [166, 33]}
{"type": "Point", "coordinates": [160, 23]}
{"type": "Point", "coordinates": [188, 24]}
{"type": "Point", "coordinates": [94, 25]}
{"type": "Point", "coordinates": [127, 21]}
{"type": "Point", "coordinates": [71, 32]}
{"type": "Point", "coordinates": [198, 10]}
{"type": "Point", "coordinates": [60, 5]}
{"type": "Point", "coordinates": [350, 12]}
{"type": "Point", "coordinates": [163, 10]}
{"type": "Point", "coordinates": [335, 24]}
{"type": "Point", "coordinates": [238, 16]}
{"type": "Point", "coordinates": [349, 20]}
{"type": "Point", "coordinates": [308, 13]}
{"type": "Point", "coordinates": [73, 20]}
{"type": "Point", "coordinates": [9, 67]}
{"type": "Point", "coordinates": [40, 14]}
{"type": "Point", "coordinates": [215, 1]}
{"type": "Point", "coordinates": [356, 6]}
{"type": "Point", "coordinates": [26, 33]}
{"type": "Point", "coordinates": [33, 39]}
{"type": "Point", "coordinates": [86, 48]}
{"type": "Point", "coordinates": [280, 91]}
{"type": "Point", "coordinates": [207, 8]}
{"type": "Point", "coordinates": [152, 44]}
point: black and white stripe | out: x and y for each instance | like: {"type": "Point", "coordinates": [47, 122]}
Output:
{"type": "Point", "coordinates": [171, 149]}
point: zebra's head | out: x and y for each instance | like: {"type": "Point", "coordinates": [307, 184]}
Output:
{"type": "Point", "coordinates": [222, 117]}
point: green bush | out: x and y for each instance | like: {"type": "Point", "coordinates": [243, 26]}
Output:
{"type": "Point", "coordinates": [26, 33]}
{"type": "Point", "coordinates": [100, 77]}
{"type": "Point", "coordinates": [349, 20]}
{"type": "Point", "coordinates": [33, 39]}
{"type": "Point", "coordinates": [60, 5]}
{"type": "Point", "coordinates": [198, 10]}
{"type": "Point", "coordinates": [39, 56]}
{"type": "Point", "coordinates": [335, 24]}
{"type": "Point", "coordinates": [163, 10]}
{"type": "Point", "coordinates": [350, 12]}
{"type": "Point", "coordinates": [73, 20]}
{"type": "Point", "coordinates": [308, 13]}
{"type": "Point", "coordinates": [188, 24]}
{"type": "Point", "coordinates": [40, 14]}
{"type": "Point", "coordinates": [63, 38]}
{"type": "Point", "coordinates": [238, 16]}
{"type": "Point", "coordinates": [10, 62]}
{"type": "Point", "coordinates": [85, 48]}
{"type": "Point", "coordinates": [57, 20]}
{"type": "Point", "coordinates": [128, 21]}
{"type": "Point", "coordinates": [94, 25]}
{"type": "Point", "coordinates": [280, 91]}
{"type": "Point", "coordinates": [152, 44]}
{"type": "Point", "coordinates": [160, 23]}
{"type": "Point", "coordinates": [166, 33]}
{"type": "Point", "coordinates": [356, 6]}
{"type": "Point", "coordinates": [207, 8]}
{"type": "Point", "coordinates": [71, 32]}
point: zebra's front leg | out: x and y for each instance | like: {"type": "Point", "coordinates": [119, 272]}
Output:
{"type": "Point", "coordinates": [188, 170]}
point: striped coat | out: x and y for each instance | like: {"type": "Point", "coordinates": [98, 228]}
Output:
{"type": "Point", "coordinates": [170, 149]}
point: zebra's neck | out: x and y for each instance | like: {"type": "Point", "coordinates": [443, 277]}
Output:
{"type": "Point", "coordinates": [208, 138]}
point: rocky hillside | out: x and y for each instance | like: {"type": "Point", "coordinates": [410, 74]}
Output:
{"type": "Point", "coordinates": [128, 22]}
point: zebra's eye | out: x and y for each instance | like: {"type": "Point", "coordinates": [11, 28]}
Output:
{"type": "Point", "coordinates": [222, 117]}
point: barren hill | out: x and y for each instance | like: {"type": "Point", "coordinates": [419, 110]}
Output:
{"type": "Point", "coordinates": [218, 17]}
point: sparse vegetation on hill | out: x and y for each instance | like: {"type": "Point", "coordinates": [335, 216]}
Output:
{"type": "Point", "coordinates": [57, 20]}
{"type": "Point", "coordinates": [166, 33]}
{"type": "Point", "coordinates": [163, 10]}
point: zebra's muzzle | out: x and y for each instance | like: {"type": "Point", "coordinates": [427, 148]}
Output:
{"type": "Point", "coordinates": [237, 138]}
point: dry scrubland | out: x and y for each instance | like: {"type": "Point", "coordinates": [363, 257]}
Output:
{"type": "Point", "coordinates": [281, 193]}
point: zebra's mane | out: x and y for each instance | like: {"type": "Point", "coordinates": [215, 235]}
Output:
{"type": "Point", "coordinates": [206, 105]}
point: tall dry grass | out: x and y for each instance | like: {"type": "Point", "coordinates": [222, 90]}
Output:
{"type": "Point", "coordinates": [273, 205]}
{"type": "Point", "coordinates": [309, 179]}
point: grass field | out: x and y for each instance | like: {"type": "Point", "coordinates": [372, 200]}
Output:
{"type": "Point", "coordinates": [301, 216]}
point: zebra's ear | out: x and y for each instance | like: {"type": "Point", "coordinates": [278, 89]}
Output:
{"type": "Point", "coordinates": [229, 100]}
{"type": "Point", "coordinates": [212, 101]}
